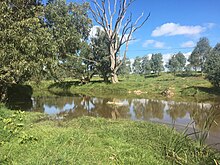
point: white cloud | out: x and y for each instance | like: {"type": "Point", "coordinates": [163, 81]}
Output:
{"type": "Point", "coordinates": [93, 31]}
{"type": "Point", "coordinates": [188, 44]}
{"type": "Point", "coordinates": [159, 45]}
{"type": "Point", "coordinates": [210, 25]}
{"type": "Point", "coordinates": [187, 54]}
{"type": "Point", "coordinates": [167, 56]}
{"type": "Point", "coordinates": [154, 43]}
{"type": "Point", "coordinates": [148, 42]}
{"type": "Point", "coordinates": [134, 41]}
{"type": "Point", "coordinates": [172, 29]}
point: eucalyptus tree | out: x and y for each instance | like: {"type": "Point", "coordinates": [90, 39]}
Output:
{"type": "Point", "coordinates": [111, 17]}
{"type": "Point", "coordinates": [26, 46]}
{"type": "Point", "coordinates": [146, 65]}
{"type": "Point", "coordinates": [176, 63]}
{"type": "Point", "coordinates": [157, 63]}
{"type": "Point", "coordinates": [69, 25]}
{"type": "Point", "coordinates": [100, 51]}
{"type": "Point", "coordinates": [173, 64]}
{"type": "Point", "coordinates": [212, 66]}
{"type": "Point", "coordinates": [136, 66]}
{"type": "Point", "coordinates": [125, 68]}
{"type": "Point", "coordinates": [200, 53]}
{"type": "Point", "coordinates": [182, 60]}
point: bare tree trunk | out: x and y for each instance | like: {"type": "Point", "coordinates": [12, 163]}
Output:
{"type": "Point", "coordinates": [118, 32]}
{"type": "Point", "coordinates": [114, 77]}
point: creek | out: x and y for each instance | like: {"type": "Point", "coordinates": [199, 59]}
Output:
{"type": "Point", "coordinates": [175, 114]}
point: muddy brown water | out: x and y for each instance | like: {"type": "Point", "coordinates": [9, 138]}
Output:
{"type": "Point", "coordinates": [174, 114]}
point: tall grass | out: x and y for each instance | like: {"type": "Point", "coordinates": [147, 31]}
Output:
{"type": "Point", "coordinates": [202, 133]}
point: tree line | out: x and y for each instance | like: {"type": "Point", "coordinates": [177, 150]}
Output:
{"type": "Point", "coordinates": [203, 58]}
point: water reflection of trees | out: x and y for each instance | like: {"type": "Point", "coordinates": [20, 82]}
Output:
{"type": "Point", "coordinates": [200, 113]}
{"type": "Point", "coordinates": [205, 114]}
{"type": "Point", "coordinates": [147, 109]}
{"type": "Point", "coordinates": [83, 106]}
{"type": "Point", "coordinates": [57, 102]}
{"type": "Point", "coordinates": [142, 109]}
{"type": "Point", "coordinates": [179, 110]}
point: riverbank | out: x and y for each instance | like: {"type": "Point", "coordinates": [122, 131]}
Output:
{"type": "Point", "coordinates": [33, 138]}
{"type": "Point", "coordinates": [166, 86]}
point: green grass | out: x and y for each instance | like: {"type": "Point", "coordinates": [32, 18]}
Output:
{"type": "Point", "coordinates": [194, 88]}
{"type": "Point", "coordinates": [31, 138]}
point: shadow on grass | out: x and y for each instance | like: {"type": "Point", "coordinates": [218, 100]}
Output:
{"type": "Point", "coordinates": [64, 87]}
{"type": "Point", "coordinates": [151, 76]}
{"type": "Point", "coordinates": [63, 93]}
{"type": "Point", "coordinates": [213, 90]}
{"type": "Point", "coordinates": [192, 91]}
{"type": "Point", "coordinates": [185, 75]}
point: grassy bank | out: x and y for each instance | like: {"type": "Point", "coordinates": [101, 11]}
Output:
{"type": "Point", "coordinates": [31, 138]}
{"type": "Point", "coordinates": [181, 88]}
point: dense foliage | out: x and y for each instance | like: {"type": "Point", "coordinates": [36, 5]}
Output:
{"type": "Point", "coordinates": [157, 63]}
{"type": "Point", "coordinates": [200, 53]}
{"type": "Point", "coordinates": [69, 26]}
{"type": "Point", "coordinates": [176, 63]}
{"type": "Point", "coordinates": [146, 65]}
{"type": "Point", "coordinates": [26, 46]}
{"type": "Point", "coordinates": [212, 66]}
{"type": "Point", "coordinates": [136, 66]}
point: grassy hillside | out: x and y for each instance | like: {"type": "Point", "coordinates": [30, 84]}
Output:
{"type": "Point", "coordinates": [179, 88]}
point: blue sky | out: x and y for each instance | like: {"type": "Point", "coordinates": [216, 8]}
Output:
{"type": "Point", "coordinates": [174, 25]}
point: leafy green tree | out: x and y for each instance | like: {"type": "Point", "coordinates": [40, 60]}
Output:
{"type": "Point", "coordinates": [182, 61]}
{"type": "Point", "coordinates": [212, 66]}
{"type": "Point", "coordinates": [137, 65]}
{"type": "Point", "coordinates": [26, 47]}
{"type": "Point", "coordinates": [200, 53]}
{"type": "Point", "coordinates": [85, 67]}
{"type": "Point", "coordinates": [176, 63]}
{"type": "Point", "coordinates": [146, 65]}
{"type": "Point", "coordinates": [188, 70]}
{"type": "Point", "coordinates": [100, 51]}
{"type": "Point", "coordinates": [173, 64]}
{"type": "Point", "coordinates": [157, 63]}
{"type": "Point", "coordinates": [69, 25]}
{"type": "Point", "coordinates": [125, 68]}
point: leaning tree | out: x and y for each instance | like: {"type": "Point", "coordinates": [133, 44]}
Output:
{"type": "Point", "coordinates": [111, 17]}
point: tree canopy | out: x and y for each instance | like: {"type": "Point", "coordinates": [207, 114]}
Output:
{"type": "Point", "coordinates": [212, 66]}
{"type": "Point", "coordinates": [157, 63]}
{"type": "Point", "coordinates": [176, 63]}
{"type": "Point", "coordinates": [200, 53]}
{"type": "Point", "coordinates": [137, 65]}
{"type": "Point", "coordinates": [69, 26]}
{"type": "Point", "coordinates": [146, 65]}
{"type": "Point", "coordinates": [26, 46]}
